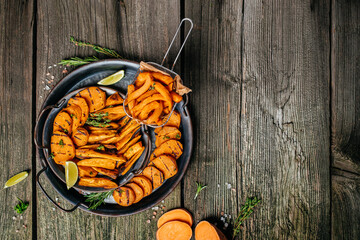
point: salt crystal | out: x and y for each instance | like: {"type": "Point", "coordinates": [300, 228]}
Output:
{"type": "Point", "coordinates": [17, 230]}
{"type": "Point", "coordinates": [222, 219]}
{"type": "Point", "coordinates": [229, 216]}
{"type": "Point", "coordinates": [50, 67]}
{"type": "Point", "coordinates": [14, 218]}
{"type": "Point", "coordinates": [148, 221]}
{"type": "Point", "coordinates": [54, 65]}
{"type": "Point", "coordinates": [153, 216]}
{"type": "Point", "coordinates": [24, 226]}
{"type": "Point", "coordinates": [162, 201]}
{"type": "Point", "coordinates": [225, 215]}
{"type": "Point", "coordinates": [21, 217]}
{"type": "Point", "coordinates": [218, 185]}
{"type": "Point", "coordinates": [52, 77]}
{"type": "Point", "coordinates": [226, 225]}
{"type": "Point", "coordinates": [226, 183]}
{"type": "Point", "coordinates": [47, 88]}
{"type": "Point", "coordinates": [53, 209]}
{"type": "Point", "coordinates": [233, 189]}
{"type": "Point", "coordinates": [229, 186]}
{"type": "Point", "coordinates": [48, 74]}
{"type": "Point", "coordinates": [154, 213]}
{"type": "Point", "coordinates": [156, 208]}
{"type": "Point", "coordinates": [56, 199]}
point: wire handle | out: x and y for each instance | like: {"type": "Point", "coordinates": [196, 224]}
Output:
{"type": "Point", "coordinates": [182, 46]}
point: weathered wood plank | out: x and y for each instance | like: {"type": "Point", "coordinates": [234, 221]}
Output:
{"type": "Point", "coordinates": [16, 51]}
{"type": "Point", "coordinates": [262, 118]}
{"type": "Point", "coordinates": [345, 55]}
{"type": "Point", "coordinates": [139, 30]}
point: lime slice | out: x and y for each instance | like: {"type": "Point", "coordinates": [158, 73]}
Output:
{"type": "Point", "coordinates": [112, 79]}
{"type": "Point", "coordinates": [71, 174]}
{"type": "Point", "coordinates": [16, 179]}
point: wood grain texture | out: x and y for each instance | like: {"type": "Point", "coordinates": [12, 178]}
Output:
{"type": "Point", "coordinates": [16, 25]}
{"type": "Point", "coordinates": [262, 118]}
{"type": "Point", "coordinates": [138, 30]}
{"type": "Point", "coordinates": [345, 57]}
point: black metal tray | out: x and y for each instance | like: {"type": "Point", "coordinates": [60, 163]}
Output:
{"type": "Point", "coordinates": [89, 75]}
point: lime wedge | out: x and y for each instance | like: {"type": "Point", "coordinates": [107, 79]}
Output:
{"type": "Point", "coordinates": [16, 179]}
{"type": "Point", "coordinates": [112, 79]}
{"type": "Point", "coordinates": [71, 174]}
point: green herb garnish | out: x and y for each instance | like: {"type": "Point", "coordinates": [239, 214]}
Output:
{"type": "Point", "coordinates": [97, 48]}
{"type": "Point", "coordinates": [52, 155]}
{"type": "Point", "coordinates": [245, 211]}
{"type": "Point", "coordinates": [166, 137]}
{"type": "Point", "coordinates": [101, 147]}
{"type": "Point", "coordinates": [200, 187]}
{"type": "Point", "coordinates": [61, 143]}
{"type": "Point", "coordinates": [66, 131]}
{"type": "Point", "coordinates": [96, 199]}
{"type": "Point", "coordinates": [76, 61]}
{"type": "Point", "coordinates": [21, 206]}
{"type": "Point", "coordinates": [177, 136]}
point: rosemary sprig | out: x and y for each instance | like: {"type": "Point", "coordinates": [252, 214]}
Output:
{"type": "Point", "coordinates": [245, 211]}
{"type": "Point", "coordinates": [21, 206]}
{"type": "Point", "coordinates": [76, 61]}
{"type": "Point", "coordinates": [96, 199]}
{"type": "Point", "coordinates": [200, 187]}
{"type": "Point", "coordinates": [97, 48]}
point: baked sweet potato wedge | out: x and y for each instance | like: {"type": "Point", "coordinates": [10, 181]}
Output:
{"type": "Point", "coordinates": [175, 97]}
{"type": "Point", "coordinates": [154, 175]}
{"type": "Point", "coordinates": [96, 137]}
{"type": "Point", "coordinates": [108, 126]}
{"type": "Point", "coordinates": [172, 147]}
{"type": "Point", "coordinates": [131, 161]}
{"type": "Point", "coordinates": [123, 149]}
{"type": "Point", "coordinates": [133, 150]}
{"type": "Point", "coordinates": [124, 196]}
{"type": "Point", "coordinates": [148, 80]}
{"type": "Point", "coordinates": [97, 182]}
{"type": "Point", "coordinates": [61, 147]}
{"type": "Point", "coordinates": [130, 104]}
{"type": "Point", "coordinates": [155, 97]}
{"type": "Point", "coordinates": [86, 172]}
{"type": "Point", "coordinates": [166, 133]}
{"type": "Point", "coordinates": [114, 99]}
{"type": "Point", "coordinates": [144, 183]}
{"type": "Point", "coordinates": [139, 193]}
{"type": "Point", "coordinates": [110, 173]}
{"type": "Point", "coordinates": [93, 147]}
{"type": "Point", "coordinates": [147, 110]}
{"type": "Point", "coordinates": [80, 137]}
{"type": "Point", "coordinates": [63, 123]}
{"type": "Point", "coordinates": [155, 116]}
{"type": "Point", "coordinates": [75, 114]}
{"type": "Point", "coordinates": [166, 164]}
{"type": "Point", "coordinates": [81, 102]}
{"type": "Point", "coordinates": [175, 119]}
{"type": "Point", "coordinates": [146, 95]}
{"type": "Point", "coordinates": [165, 93]}
{"type": "Point", "coordinates": [88, 153]}
{"type": "Point", "coordinates": [125, 120]}
{"type": "Point", "coordinates": [162, 78]}
{"type": "Point", "coordinates": [98, 162]}
{"type": "Point", "coordinates": [95, 98]}
{"type": "Point", "coordinates": [111, 113]}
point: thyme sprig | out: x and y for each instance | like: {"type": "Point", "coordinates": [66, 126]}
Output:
{"type": "Point", "coordinates": [96, 199]}
{"type": "Point", "coordinates": [199, 188]}
{"type": "Point", "coordinates": [98, 120]}
{"type": "Point", "coordinates": [97, 48]}
{"type": "Point", "coordinates": [76, 61]}
{"type": "Point", "coordinates": [245, 211]}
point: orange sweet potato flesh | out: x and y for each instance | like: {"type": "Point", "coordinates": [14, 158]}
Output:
{"type": "Point", "coordinates": [92, 146]}
{"type": "Point", "coordinates": [88, 153]}
{"type": "Point", "coordinates": [63, 123]}
{"type": "Point", "coordinates": [124, 196]}
{"type": "Point", "coordinates": [154, 175]}
{"type": "Point", "coordinates": [110, 173]}
{"type": "Point", "coordinates": [178, 214]}
{"type": "Point", "coordinates": [166, 133]}
{"type": "Point", "coordinates": [109, 126]}
{"type": "Point", "coordinates": [162, 78]}
{"type": "Point", "coordinates": [137, 93]}
{"type": "Point", "coordinates": [75, 114]}
{"type": "Point", "coordinates": [144, 183]}
{"type": "Point", "coordinates": [147, 110]}
{"type": "Point", "coordinates": [206, 231]}
{"type": "Point", "coordinates": [86, 172]}
{"type": "Point", "coordinates": [155, 97]}
{"type": "Point", "coordinates": [98, 162]}
{"type": "Point", "coordinates": [98, 136]}
{"type": "Point", "coordinates": [172, 147]}
{"type": "Point", "coordinates": [175, 97]}
{"type": "Point", "coordinates": [81, 102]}
{"type": "Point", "coordinates": [133, 150]}
{"type": "Point", "coordinates": [95, 98]}
{"type": "Point", "coordinates": [146, 95]}
{"type": "Point", "coordinates": [62, 147]}
{"type": "Point", "coordinates": [175, 119]}
{"type": "Point", "coordinates": [131, 104]}
{"type": "Point", "coordinates": [139, 193]}
{"type": "Point", "coordinates": [174, 230]}
{"type": "Point", "coordinates": [113, 100]}
{"type": "Point", "coordinates": [124, 121]}
{"type": "Point", "coordinates": [155, 116]}
{"type": "Point", "coordinates": [165, 93]}
{"type": "Point", "coordinates": [166, 164]}
{"type": "Point", "coordinates": [128, 145]}
{"type": "Point", "coordinates": [97, 182]}
{"type": "Point", "coordinates": [132, 160]}
{"type": "Point", "coordinates": [80, 137]}
{"type": "Point", "coordinates": [113, 113]}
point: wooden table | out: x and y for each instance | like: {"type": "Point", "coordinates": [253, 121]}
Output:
{"type": "Point", "coordinates": [275, 107]}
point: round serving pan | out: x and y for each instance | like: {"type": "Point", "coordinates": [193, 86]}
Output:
{"type": "Point", "coordinates": [89, 75]}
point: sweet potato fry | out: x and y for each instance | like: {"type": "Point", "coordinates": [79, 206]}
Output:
{"type": "Point", "coordinates": [132, 160]}
{"type": "Point", "coordinates": [109, 126]}
{"type": "Point", "coordinates": [162, 78]}
{"type": "Point", "coordinates": [81, 102]}
{"type": "Point", "coordinates": [97, 137]}
{"type": "Point", "coordinates": [133, 150]}
{"type": "Point", "coordinates": [172, 147]}
{"type": "Point", "coordinates": [137, 93]}
{"type": "Point", "coordinates": [142, 77]}
{"type": "Point", "coordinates": [97, 182]}
{"type": "Point", "coordinates": [63, 123]}
{"type": "Point", "coordinates": [86, 172]}
{"type": "Point", "coordinates": [110, 173]}
{"type": "Point", "coordinates": [125, 120]}
{"type": "Point", "coordinates": [124, 196]}
{"type": "Point", "coordinates": [155, 97]}
{"type": "Point", "coordinates": [131, 104]}
{"type": "Point", "coordinates": [80, 136]}
{"type": "Point", "coordinates": [113, 100]}
{"type": "Point", "coordinates": [155, 116]}
{"type": "Point", "coordinates": [95, 98]}
{"type": "Point", "coordinates": [127, 145]}
{"type": "Point", "coordinates": [62, 147]}
{"type": "Point", "coordinates": [98, 162]}
{"type": "Point", "coordinates": [148, 109]}
{"type": "Point", "coordinates": [75, 114]}
{"type": "Point", "coordinates": [175, 97]}
{"type": "Point", "coordinates": [123, 141]}
{"type": "Point", "coordinates": [146, 95]}
{"type": "Point", "coordinates": [88, 153]}
{"type": "Point", "coordinates": [144, 183]}
{"type": "Point", "coordinates": [165, 93]}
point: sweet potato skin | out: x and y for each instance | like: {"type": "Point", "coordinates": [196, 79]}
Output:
{"type": "Point", "coordinates": [206, 231]}
{"type": "Point", "coordinates": [174, 230]}
{"type": "Point", "coordinates": [110, 173]}
{"type": "Point", "coordinates": [178, 214]}
{"type": "Point", "coordinates": [124, 196]}
{"type": "Point", "coordinates": [144, 183]}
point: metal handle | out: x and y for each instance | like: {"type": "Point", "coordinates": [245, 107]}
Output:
{"type": "Point", "coordinates": [38, 145]}
{"type": "Point", "coordinates": [48, 197]}
{"type": "Point", "coordinates": [182, 46]}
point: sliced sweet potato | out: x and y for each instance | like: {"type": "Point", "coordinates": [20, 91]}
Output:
{"type": "Point", "coordinates": [166, 164]}
{"type": "Point", "coordinates": [155, 97]}
{"type": "Point", "coordinates": [109, 126]}
{"type": "Point", "coordinates": [206, 231]}
{"type": "Point", "coordinates": [86, 172]}
{"type": "Point", "coordinates": [95, 98]}
{"type": "Point", "coordinates": [178, 214]}
{"type": "Point", "coordinates": [97, 182]}
{"type": "Point", "coordinates": [131, 128]}
{"type": "Point", "coordinates": [109, 146]}
{"type": "Point", "coordinates": [103, 131]}
{"type": "Point", "coordinates": [124, 196]}
{"type": "Point", "coordinates": [155, 175]}
{"type": "Point", "coordinates": [174, 230]}
{"type": "Point", "coordinates": [88, 153]}
{"type": "Point", "coordinates": [123, 141]}
{"type": "Point", "coordinates": [162, 78]}
{"type": "Point", "coordinates": [166, 133]}
{"type": "Point", "coordinates": [166, 107]}
{"type": "Point", "coordinates": [98, 136]}
{"type": "Point", "coordinates": [98, 162]}
{"type": "Point", "coordinates": [175, 119]}
{"type": "Point", "coordinates": [125, 120]}
{"type": "Point", "coordinates": [128, 144]}
{"type": "Point", "coordinates": [63, 123]}
{"type": "Point", "coordinates": [148, 79]}
{"type": "Point", "coordinates": [146, 95]}
{"type": "Point", "coordinates": [144, 183]}
{"type": "Point", "coordinates": [131, 104]}
{"type": "Point", "coordinates": [142, 77]}
{"type": "Point", "coordinates": [62, 147]}
{"type": "Point", "coordinates": [147, 110]}
{"type": "Point", "coordinates": [93, 147]}
{"type": "Point", "coordinates": [139, 193]}
{"type": "Point", "coordinates": [112, 113]}
{"type": "Point", "coordinates": [81, 102]}
{"type": "Point", "coordinates": [133, 150]}
{"type": "Point", "coordinates": [155, 116]}
{"type": "Point", "coordinates": [175, 97]}
{"type": "Point", "coordinates": [132, 160]}
{"type": "Point", "coordinates": [80, 136]}
{"type": "Point", "coordinates": [110, 173]}
{"type": "Point", "coordinates": [165, 93]}
{"type": "Point", "coordinates": [172, 147]}
{"type": "Point", "coordinates": [75, 114]}
{"type": "Point", "coordinates": [113, 100]}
